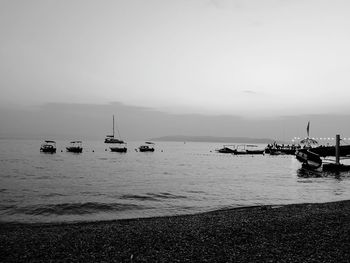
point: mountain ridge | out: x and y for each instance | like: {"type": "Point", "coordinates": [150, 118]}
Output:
{"type": "Point", "coordinates": [184, 138]}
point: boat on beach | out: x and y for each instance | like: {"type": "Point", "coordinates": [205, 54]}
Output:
{"type": "Point", "coordinates": [75, 147]}
{"type": "Point", "coordinates": [48, 147]}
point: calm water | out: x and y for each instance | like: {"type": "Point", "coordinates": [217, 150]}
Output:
{"type": "Point", "coordinates": [176, 179]}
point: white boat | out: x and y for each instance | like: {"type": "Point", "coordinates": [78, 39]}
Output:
{"type": "Point", "coordinates": [75, 147]}
{"type": "Point", "coordinates": [111, 138]}
{"type": "Point", "coordinates": [48, 147]}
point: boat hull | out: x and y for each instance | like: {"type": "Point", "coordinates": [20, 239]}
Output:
{"type": "Point", "coordinates": [48, 150]}
{"type": "Point", "coordinates": [274, 151]}
{"type": "Point", "coordinates": [146, 150]}
{"type": "Point", "coordinates": [74, 149]}
{"type": "Point", "coordinates": [226, 150]}
{"type": "Point", "coordinates": [249, 152]}
{"type": "Point", "coordinates": [118, 149]}
{"type": "Point", "coordinates": [308, 159]}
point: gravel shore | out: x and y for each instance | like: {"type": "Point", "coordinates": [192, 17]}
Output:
{"type": "Point", "coordinates": [291, 233]}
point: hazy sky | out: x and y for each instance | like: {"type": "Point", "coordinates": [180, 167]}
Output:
{"type": "Point", "coordinates": [248, 59]}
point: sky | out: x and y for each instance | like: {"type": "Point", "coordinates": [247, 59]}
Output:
{"type": "Point", "coordinates": [262, 66]}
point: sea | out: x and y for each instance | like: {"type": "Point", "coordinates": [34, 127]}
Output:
{"type": "Point", "coordinates": [178, 178]}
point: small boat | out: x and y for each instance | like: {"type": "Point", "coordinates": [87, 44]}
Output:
{"type": "Point", "coordinates": [75, 147]}
{"type": "Point", "coordinates": [227, 149]}
{"type": "Point", "coordinates": [120, 149]}
{"type": "Point", "coordinates": [245, 149]}
{"type": "Point", "coordinates": [308, 158]}
{"type": "Point", "coordinates": [48, 147]}
{"type": "Point", "coordinates": [111, 138]}
{"type": "Point", "coordinates": [147, 148]}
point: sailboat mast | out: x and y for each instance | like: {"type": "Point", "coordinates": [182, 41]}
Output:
{"type": "Point", "coordinates": [113, 126]}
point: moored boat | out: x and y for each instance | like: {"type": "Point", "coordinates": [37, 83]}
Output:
{"type": "Point", "coordinates": [246, 149]}
{"type": "Point", "coordinates": [120, 149]}
{"type": "Point", "coordinates": [75, 147]}
{"type": "Point", "coordinates": [227, 149]}
{"type": "Point", "coordinates": [48, 147]}
{"type": "Point", "coordinates": [111, 138]}
{"type": "Point", "coordinates": [147, 148]}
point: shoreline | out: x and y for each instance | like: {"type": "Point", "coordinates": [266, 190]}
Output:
{"type": "Point", "coordinates": [73, 222]}
{"type": "Point", "coordinates": [310, 232]}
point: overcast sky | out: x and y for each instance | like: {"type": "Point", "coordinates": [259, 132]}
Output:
{"type": "Point", "coordinates": [248, 59]}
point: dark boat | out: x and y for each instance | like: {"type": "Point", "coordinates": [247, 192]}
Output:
{"type": "Point", "coordinates": [245, 149]}
{"type": "Point", "coordinates": [147, 148]}
{"type": "Point", "coordinates": [120, 149]}
{"type": "Point", "coordinates": [75, 147]}
{"type": "Point", "coordinates": [227, 149]}
{"type": "Point", "coordinates": [111, 138]}
{"type": "Point", "coordinates": [48, 147]}
{"type": "Point", "coordinates": [308, 158]}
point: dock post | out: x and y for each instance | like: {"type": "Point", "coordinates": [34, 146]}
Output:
{"type": "Point", "coordinates": [337, 149]}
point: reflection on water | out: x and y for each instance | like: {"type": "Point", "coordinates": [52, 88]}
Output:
{"type": "Point", "coordinates": [307, 173]}
{"type": "Point", "coordinates": [176, 179]}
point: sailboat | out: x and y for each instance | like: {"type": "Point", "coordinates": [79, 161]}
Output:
{"type": "Point", "coordinates": [121, 144]}
{"type": "Point", "coordinates": [111, 139]}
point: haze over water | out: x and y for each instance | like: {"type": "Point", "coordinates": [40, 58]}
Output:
{"type": "Point", "coordinates": [178, 178]}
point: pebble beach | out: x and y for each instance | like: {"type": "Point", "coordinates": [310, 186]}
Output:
{"type": "Point", "coordinates": [289, 233]}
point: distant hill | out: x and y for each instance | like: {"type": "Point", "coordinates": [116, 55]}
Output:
{"type": "Point", "coordinates": [183, 138]}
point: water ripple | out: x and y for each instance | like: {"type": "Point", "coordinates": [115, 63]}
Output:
{"type": "Point", "coordinates": [72, 208]}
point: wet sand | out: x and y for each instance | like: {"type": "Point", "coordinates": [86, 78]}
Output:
{"type": "Point", "coordinates": [291, 233]}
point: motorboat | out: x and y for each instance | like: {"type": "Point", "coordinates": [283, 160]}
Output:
{"type": "Point", "coordinates": [147, 148]}
{"type": "Point", "coordinates": [48, 147]}
{"type": "Point", "coordinates": [246, 149]}
{"type": "Point", "coordinates": [75, 147]}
